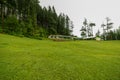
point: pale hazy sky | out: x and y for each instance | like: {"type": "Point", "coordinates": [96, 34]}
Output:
{"type": "Point", "coordinates": [94, 10]}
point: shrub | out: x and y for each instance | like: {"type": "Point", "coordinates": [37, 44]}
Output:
{"type": "Point", "coordinates": [11, 25]}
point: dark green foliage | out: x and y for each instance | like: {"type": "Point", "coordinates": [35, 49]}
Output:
{"type": "Point", "coordinates": [90, 29]}
{"type": "Point", "coordinates": [53, 23]}
{"type": "Point", "coordinates": [28, 18]}
{"type": "Point", "coordinates": [11, 25]}
{"type": "Point", "coordinates": [114, 35]}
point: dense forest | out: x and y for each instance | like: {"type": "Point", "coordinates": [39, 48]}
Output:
{"type": "Point", "coordinates": [28, 18]}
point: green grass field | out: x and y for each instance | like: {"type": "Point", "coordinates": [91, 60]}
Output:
{"type": "Point", "coordinates": [30, 59]}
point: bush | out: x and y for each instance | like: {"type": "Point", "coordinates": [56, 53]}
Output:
{"type": "Point", "coordinates": [11, 25]}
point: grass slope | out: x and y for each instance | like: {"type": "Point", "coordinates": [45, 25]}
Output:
{"type": "Point", "coordinates": [29, 59]}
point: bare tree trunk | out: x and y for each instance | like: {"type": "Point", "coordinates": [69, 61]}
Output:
{"type": "Point", "coordinates": [2, 15]}
{"type": "Point", "coordinates": [0, 10]}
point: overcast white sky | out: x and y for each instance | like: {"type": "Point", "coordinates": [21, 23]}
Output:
{"type": "Point", "coordinates": [94, 10]}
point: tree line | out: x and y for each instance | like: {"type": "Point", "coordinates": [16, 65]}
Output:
{"type": "Point", "coordinates": [108, 33]}
{"type": "Point", "coordinates": [87, 29]}
{"type": "Point", "coordinates": [28, 18]}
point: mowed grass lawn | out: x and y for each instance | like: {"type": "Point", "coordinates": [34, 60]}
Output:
{"type": "Point", "coordinates": [30, 59]}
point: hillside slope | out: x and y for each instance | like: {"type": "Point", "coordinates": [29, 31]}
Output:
{"type": "Point", "coordinates": [30, 59]}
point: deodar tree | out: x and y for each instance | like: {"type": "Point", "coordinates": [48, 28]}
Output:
{"type": "Point", "coordinates": [31, 20]}
{"type": "Point", "coordinates": [106, 28]}
{"type": "Point", "coordinates": [87, 29]}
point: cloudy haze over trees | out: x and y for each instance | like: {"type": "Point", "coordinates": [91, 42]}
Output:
{"type": "Point", "coordinates": [94, 10]}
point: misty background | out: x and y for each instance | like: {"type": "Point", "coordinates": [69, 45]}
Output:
{"type": "Point", "coordinates": [94, 10]}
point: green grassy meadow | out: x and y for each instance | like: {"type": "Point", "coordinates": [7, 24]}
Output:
{"type": "Point", "coordinates": [30, 59]}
